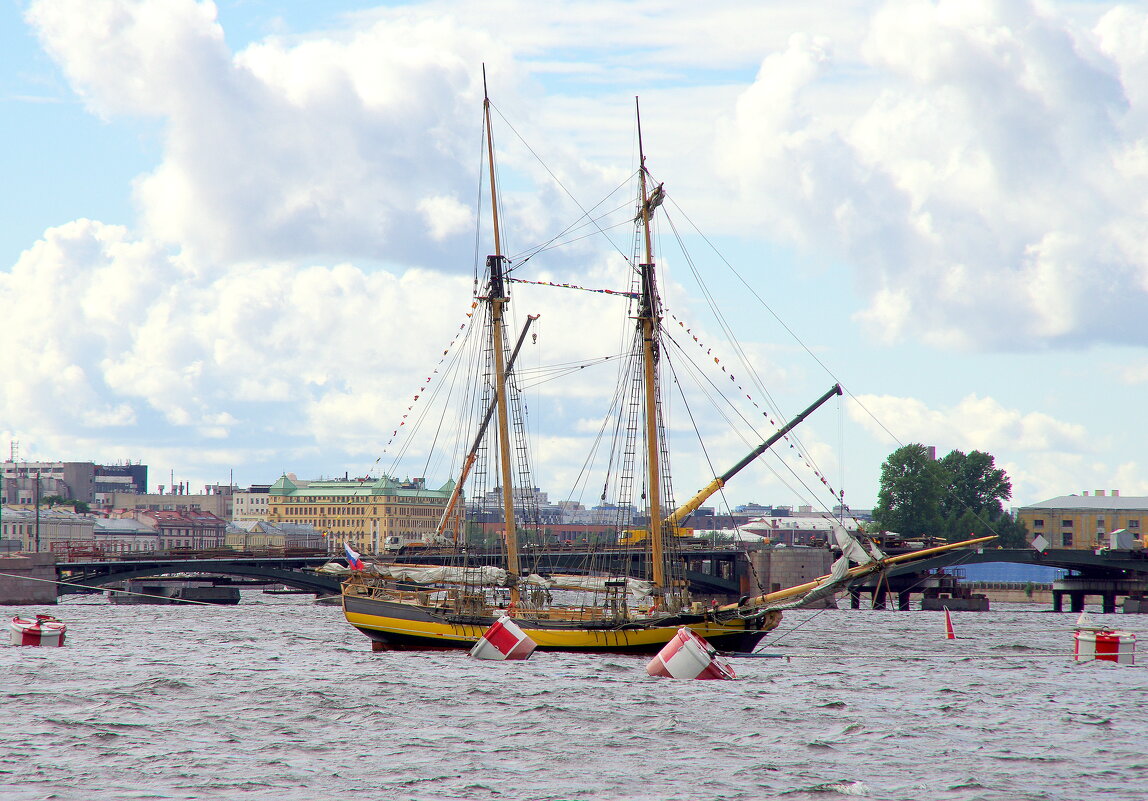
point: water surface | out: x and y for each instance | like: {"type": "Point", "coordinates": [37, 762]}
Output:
{"type": "Point", "coordinates": [280, 699]}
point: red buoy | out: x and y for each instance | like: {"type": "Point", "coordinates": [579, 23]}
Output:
{"type": "Point", "coordinates": [689, 656]}
{"type": "Point", "coordinates": [44, 630]}
{"type": "Point", "coordinates": [503, 640]}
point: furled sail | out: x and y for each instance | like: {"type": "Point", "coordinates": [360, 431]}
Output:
{"type": "Point", "coordinates": [851, 551]}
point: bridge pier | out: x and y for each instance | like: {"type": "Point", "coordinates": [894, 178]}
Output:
{"type": "Point", "coordinates": [39, 567]}
{"type": "Point", "coordinates": [1079, 588]}
{"type": "Point", "coordinates": [936, 591]}
{"type": "Point", "coordinates": [771, 569]}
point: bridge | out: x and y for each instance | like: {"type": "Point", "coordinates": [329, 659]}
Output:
{"type": "Point", "coordinates": [298, 572]}
{"type": "Point", "coordinates": [710, 571]}
{"type": "Point", "coordinates": [290, 571]}
{"type": "Point", "coordinates": [1108, 562]}
{"type": "Point", "coordinates": [1107, 573]}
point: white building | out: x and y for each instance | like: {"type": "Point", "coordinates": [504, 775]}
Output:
{"type": "Point", "coordinates": [797, 530]}
{"type": "Point", "coordinates": [55, 529]}
{"type": "Point", "coordinates": [122, 535]}
{"type": "Point", "coordinates": [249, 504]}
{"type": "Point", "coordinates": [246, 534]}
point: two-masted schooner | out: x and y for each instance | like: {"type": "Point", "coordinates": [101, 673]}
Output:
{"type": "Point", "coordinates": [602, 608]}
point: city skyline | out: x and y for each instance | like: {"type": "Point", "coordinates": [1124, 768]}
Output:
{"type": "Point", "coordinates": [237, 237]}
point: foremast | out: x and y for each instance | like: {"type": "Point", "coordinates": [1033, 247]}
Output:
{"type": "Point", "coordinates": [498, 299]}
{"type": "Point", "coordinates": [649, 318]}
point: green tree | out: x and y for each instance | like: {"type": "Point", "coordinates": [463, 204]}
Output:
{"type": "Point", "coordinates": [52, 501]}
{"type": "Point", "coordinates": [909, 499]}
{"type": "Point", "coordinates": [975, 485]}
{"type": "Point", "coordinates": [957, 497]}
{"type": "Point", "coordinates": [1010, 532]}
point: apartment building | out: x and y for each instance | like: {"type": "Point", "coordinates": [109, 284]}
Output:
{"type": "Point", "coordinates": [369, 514]}
{"type": "Point", "coordinates": [1084, 521]}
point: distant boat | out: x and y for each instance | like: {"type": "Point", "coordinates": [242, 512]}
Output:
{"type": "Point", "coordinates": [43, 630]}
{"type": "Point", "coordinates": [136, 591]}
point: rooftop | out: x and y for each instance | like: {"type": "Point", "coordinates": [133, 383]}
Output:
{"type": "Point", "coordinates": [386, 485]}
{"type": "Point", "coordinates": [1089, 501]}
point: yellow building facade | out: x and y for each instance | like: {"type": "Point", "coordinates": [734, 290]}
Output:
{"type": "Point", "coordinates": [1084, 521]}
{"type": "Point", "coordinates": [370, 515]}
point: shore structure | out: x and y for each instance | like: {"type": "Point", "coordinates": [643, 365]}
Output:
{"type": "Point", "coordinates": [372, 515]}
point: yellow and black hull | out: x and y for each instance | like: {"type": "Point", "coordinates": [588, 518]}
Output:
{"type": "Point", "coordinates": [401, 625]}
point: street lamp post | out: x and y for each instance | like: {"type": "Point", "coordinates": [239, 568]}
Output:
{"type": "Point", "coordinates": [36, 497]}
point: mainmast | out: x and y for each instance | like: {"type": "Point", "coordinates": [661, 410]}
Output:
{"type": "Point", "coordinates": [648, 320]}
{"type": "Point", "coordinates": [498, 300]}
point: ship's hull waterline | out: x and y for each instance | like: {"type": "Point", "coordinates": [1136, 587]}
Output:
{"type": "Point", "coordinates": [394, 625]}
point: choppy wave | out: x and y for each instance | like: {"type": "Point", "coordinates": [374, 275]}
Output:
{"type": "Point", "coordinates": [292, 705]}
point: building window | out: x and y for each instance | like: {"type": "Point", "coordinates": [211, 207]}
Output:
{"type": "Point", "coordinates": [1038, 523]}
{"type": "Point", "coordinates": [1066, 539]}
{"type": "Point", "coordinates": [1066, 524]}
{"type": "Point", "coordinates": [1133, 524]}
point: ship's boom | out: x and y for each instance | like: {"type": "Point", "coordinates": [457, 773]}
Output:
{"type": "Point", "coordinates": [693, 503]}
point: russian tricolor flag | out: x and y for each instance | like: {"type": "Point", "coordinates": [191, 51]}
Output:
{"type": "Point", "coordinates": [354, 561]}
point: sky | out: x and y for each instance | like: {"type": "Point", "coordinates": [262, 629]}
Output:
{"type": "Point", "coordinates": [237, 238]}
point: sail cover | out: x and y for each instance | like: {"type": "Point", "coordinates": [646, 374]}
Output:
{"type": "Point", "coordinates": [486, 576]}
{"type": "Point", "coordinates": [591, 583]}
{"type": "Point", "coordinates": [852, 549]}
{"type": "Point", "coordinates": [433, 574]}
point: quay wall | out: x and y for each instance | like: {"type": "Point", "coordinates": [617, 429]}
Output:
{"type": "Point", "coordinates": [16, 590]}
{"type": "Point", "coordinates": [773, 569]}
{"type": "Point", "coordinates": [1008, 593]}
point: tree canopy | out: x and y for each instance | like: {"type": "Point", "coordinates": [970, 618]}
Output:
{"type": "Point", "coordinates": [955, 497]}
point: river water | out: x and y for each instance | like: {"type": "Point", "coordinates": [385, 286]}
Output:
{"type": "Point", "coordinates": [279, 699]}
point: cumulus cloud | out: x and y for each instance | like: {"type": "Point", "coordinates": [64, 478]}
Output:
{"type": "Point", "coordinates": [985, 188]}
{"type": "Point", "coordinates": [1043, 456]}
{"type": "Point", "coordinates": [286, 149]}
{"type": "Point", "coordinates": [118, 335]}
{"type": "Point", "coordinates": [973, 423]}
{"type": "Point", "coordinates": [302, 250]}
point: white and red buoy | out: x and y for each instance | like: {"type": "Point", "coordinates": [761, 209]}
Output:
{"type": "Point", "coordinates": [689, 656]}
{"type": "Point", "coordinates": [44, 630]}
{"type": "Point", "coordinates": [1102, 643]}
{"type": "Point", "coordinates": [503, 640]}
{"type": "Point", "coordinates": [949, 633]}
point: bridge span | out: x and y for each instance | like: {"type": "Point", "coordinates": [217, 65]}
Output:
{"type": "Point", "coordinates": [290, 571]}
{"type": "Point", "coordinates": [1105, 573]}
{"type": "Point", "coordinates": [715, 572]}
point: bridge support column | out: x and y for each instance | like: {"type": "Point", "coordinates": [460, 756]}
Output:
{"type": "Point", "coordinates": [854, 598]}
{"type": "Point", "coordinates": [14, 586]}
{"type": "Point", "coordinates": [1077, 601]}
{"type": "Point", "coordinates": [903, 600]}
{"type": "Point", "coordinates": [1109, 603]}
{"type": "Point", "coordinates": [1058, 600]}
